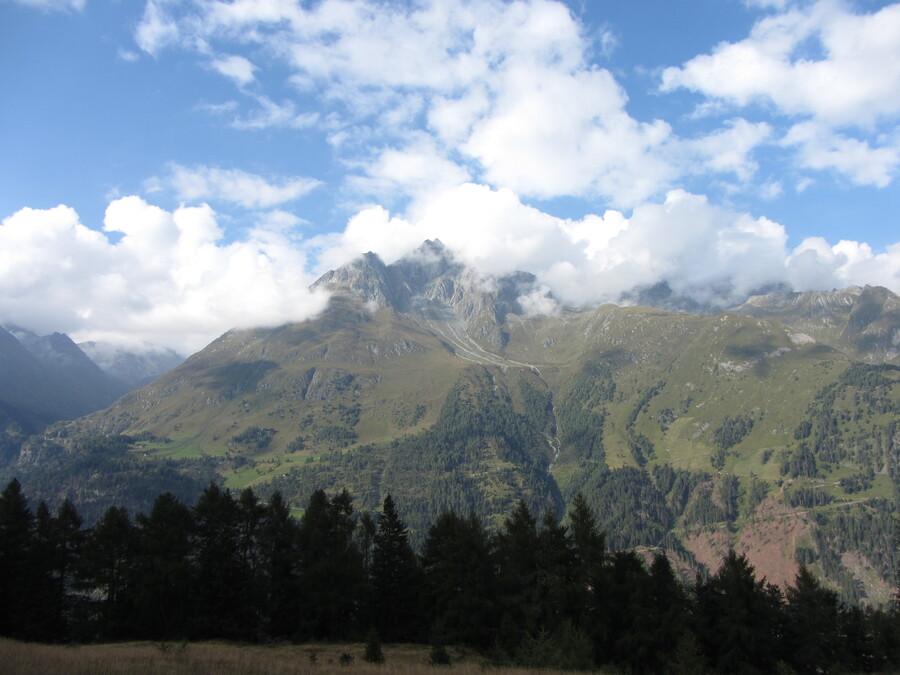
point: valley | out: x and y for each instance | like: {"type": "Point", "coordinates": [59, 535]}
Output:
{"type": "Point", "coordinates": [688, 433]}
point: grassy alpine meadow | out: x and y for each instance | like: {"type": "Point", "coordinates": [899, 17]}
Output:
{"type": "Point", "coordinates": [175, 658]}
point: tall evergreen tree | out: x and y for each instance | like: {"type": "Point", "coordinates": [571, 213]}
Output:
{"type": "Point", "coordinates": [518, 584]}
{"type": "Point", "coordinates": [741, 618]}
{"type": "Point", "coordinates": [164, 579]}
{"type": "Point", "coordinates": [588, 544]}
{"type": "Point", "coordinates": [58, 541]}
{"type": "Point", "coordinates": [557, 592]}
{"type": "Point", "coordinates": [277, 544]}
{"type": "Point", "coordinates": [396, 580]}
{"type": "Point", "coordinates": [221, 607]}
{"type": "Point", "coordinates": [330, 578]}
{"type": "Point", "coordinates": [106, 569]}
{"type": "Point", "coordinates": [812, 629]}
{"type": "Point", "coordinates": [17, 582]}
{"type": "Point", "coordinates": [457, 559]}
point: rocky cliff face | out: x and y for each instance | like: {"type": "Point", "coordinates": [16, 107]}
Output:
{"type": "Point", "coordinates": [862, 321]}
{"type": "Point", "coordinates": [429, 283]}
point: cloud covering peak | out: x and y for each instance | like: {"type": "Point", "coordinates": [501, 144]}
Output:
{"type": "Point", "coordinates": [169, 278]}
{"type": "Point", "coordinates": [271, 140]}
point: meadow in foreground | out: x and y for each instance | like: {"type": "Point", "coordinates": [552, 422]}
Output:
{"type": "Point", "coordinates": [173, 658]}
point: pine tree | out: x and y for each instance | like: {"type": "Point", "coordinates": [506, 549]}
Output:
{"type": "Point", "coordinates": [517, 561]}
{"type": "Point", "coordinates": [741, 618]}
{"type": "Point", "coordinates": [330, 573]}
{"type": "Point", "coordinates": [590, 557]}
{"type": "Point", "coordinates": [396, 580]}
{"type": "Point", "coordinates": [223, 581]}
{"type": "Point", "coordinates": [278, 551]}
{"type": "Point", "coordinates": [457, 560]}
{"type": "Point", "coordinates": [16, 558]}
{"type": "Point", "coordinates": [813, 625]}
{"type": "Point", "coordinates": [164, 579]}
{"type": "Point", "coordinates": [106, 569]}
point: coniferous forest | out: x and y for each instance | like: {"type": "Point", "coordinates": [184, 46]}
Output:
{"type": "Point", "coordinates": [538, 592]}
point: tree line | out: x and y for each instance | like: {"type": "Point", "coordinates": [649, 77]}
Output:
{"type": "Point", "coordinates": [537, 592]}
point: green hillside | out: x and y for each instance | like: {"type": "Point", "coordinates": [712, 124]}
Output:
{"type": "Point", "coordinates": [691, 433]}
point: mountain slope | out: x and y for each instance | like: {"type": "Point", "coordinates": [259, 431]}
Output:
{"type": "Point", "coordinates": [863, 321]}
{"type": "Point", "coordinates": [688, 432]}
{"type": "Point", "coordinates": [44, 379]}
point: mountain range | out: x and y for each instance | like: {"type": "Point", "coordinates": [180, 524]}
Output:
{"type": "Point", "coordinates": [771, 428]}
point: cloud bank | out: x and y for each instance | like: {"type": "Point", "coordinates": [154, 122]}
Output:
{"type": "Point", "coordinates": [170, 279]}
{"type": "Point", "coordinates": [153, 275]}
{"type": "Point", "coordinates": [463, 121]}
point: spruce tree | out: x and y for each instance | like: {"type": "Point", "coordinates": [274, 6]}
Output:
{"type": "Point", "coordinates": [518, 583]}
{"type": "Point", "coordinates": [278, 551]}
{"type": "Point", "coordinates": [164, 580]}
{"type": "Point", "coordinates": [396, 580]}
{"type": "Point", "coordinates": [812, 629]}
{"type": "Point", "coordinates": [741, 618]}
{"type": "Point", "coordinates": [330, 570]}
{"type": "Point", "coordinates": [17, 582]}
{"type": "Point", "coordinates": [106, 569]}
{"type": "Point", "coordinates": [457, 559]}
{"type": "Point", "coordinates": [221, 606]}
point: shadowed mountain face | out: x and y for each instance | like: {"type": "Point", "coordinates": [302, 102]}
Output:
{"type": "Point", "coordinates": [689, 432]}
{"type": "Point", "coordinates": [47, 378]}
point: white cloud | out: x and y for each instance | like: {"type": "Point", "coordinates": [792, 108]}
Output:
{"type": "Point", "coordinates": [156, 29]}
{"type": "Point", "coordinates": [854, 80]}
{"type": "Point", "coordinates": [168, 279]}
{"type": "Point", "coordinates": [552, 133]}
{"type": "Point", "coordinates": [768, 4]}
{"type": "Point", "coordinates": [704, 252]}
{"type": "Point", "coordinates": [199, 183]}
{"type": "Point", "coordinates": [700, 250]}
{"type": "Point", "coordinates": [816, 265]}
{"type": "Point", "coordinates": [418, 169]}
{"type": "Point", "coordinates": [538, 302]}
{"type": "Point", "coordinates": [236, 68]}
{"type": "Point", "coordinates": [728, 150]}
{"type": "Point", "coordinates": [821, 149]}
{"type": "Point", "coordinates": [503, 88]}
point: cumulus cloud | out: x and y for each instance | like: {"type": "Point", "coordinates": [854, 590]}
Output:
{"type": "Point", "coordinates": [201, 183]}
{"type": "Point", "coordinates": [703, 252]}
{"type": "Point", "coordinates": [729, 150]}
{"type": "Point", "coordinates": [835, 70]}
{"type": "Point", "coordinates": [165, 277]}
{"type": "Point", "coordinates": [168, 278]}
{"type": "Point", "coordinates": [854, 80]}
{"type": "Point", "coordinates": [505, 93]}
{"type": "Point", "coordinates": [815, 264]}
{"type": "Point", "coordinates": [503, 90]}
{"type": "Point", "coordinates": [822, 149]}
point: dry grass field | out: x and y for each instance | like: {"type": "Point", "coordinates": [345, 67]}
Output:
{"type": "Point", "coordinates": [148, 658]}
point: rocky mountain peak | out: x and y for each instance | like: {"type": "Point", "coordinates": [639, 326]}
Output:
{"type": "Point", "coordinates": [430, 283]}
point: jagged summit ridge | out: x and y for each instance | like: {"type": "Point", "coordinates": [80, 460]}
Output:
{"type": "Point", "coordinates": [431, 284]}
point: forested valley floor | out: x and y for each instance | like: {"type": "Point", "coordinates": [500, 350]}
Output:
{"type": "Point", "coordinates": [538, 593]}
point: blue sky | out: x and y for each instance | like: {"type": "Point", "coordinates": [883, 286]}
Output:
{"type": "Point", "coordinates": [173, 169]}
